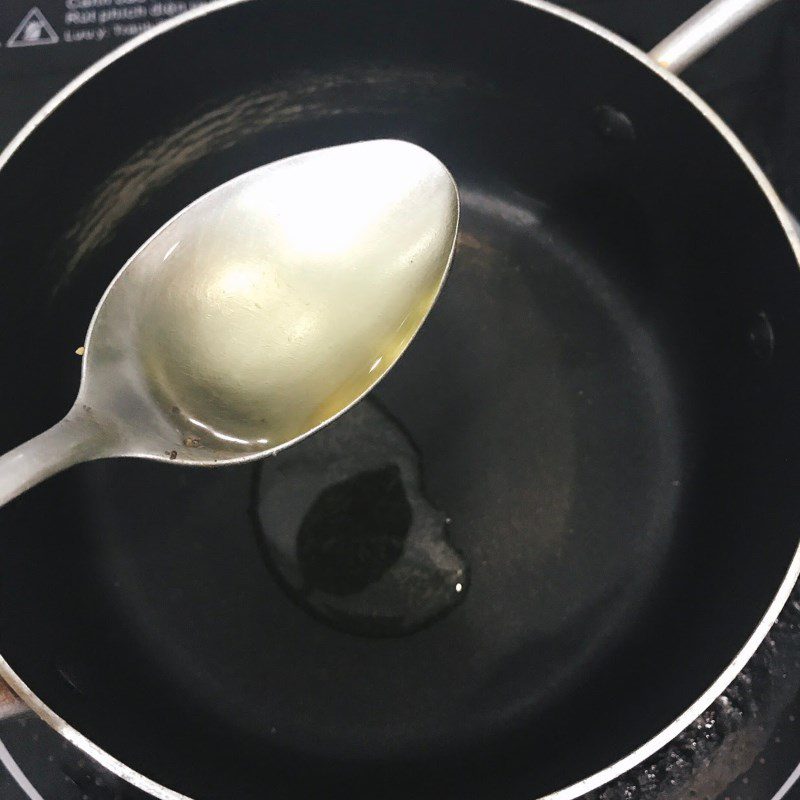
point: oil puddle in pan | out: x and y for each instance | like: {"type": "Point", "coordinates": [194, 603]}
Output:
{"type": "Point", "coordinates": [344, 525]}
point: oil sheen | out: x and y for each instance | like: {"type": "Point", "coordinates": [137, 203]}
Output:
{"type": "Point", "coordinates": [345, 526]}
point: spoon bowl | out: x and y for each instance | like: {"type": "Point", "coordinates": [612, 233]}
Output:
{"type": "Point", "coordinates": [259, 313]}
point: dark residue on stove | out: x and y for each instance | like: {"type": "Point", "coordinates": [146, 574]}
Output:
{"type": "Point", "coordinates": [726, 740]}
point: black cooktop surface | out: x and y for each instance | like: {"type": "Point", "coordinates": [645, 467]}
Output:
{"type": "Point", "coordinates": [747, 745]}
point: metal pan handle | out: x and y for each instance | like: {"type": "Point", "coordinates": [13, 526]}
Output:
{"type": "Point", "coordinates": [709, 26]}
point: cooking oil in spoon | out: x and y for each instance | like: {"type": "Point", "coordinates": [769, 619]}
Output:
{"type": "Point", "coordinates": [271, 308]}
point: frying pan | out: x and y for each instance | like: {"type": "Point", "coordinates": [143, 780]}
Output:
{"type": "Point", "coordinates": [598, 425]}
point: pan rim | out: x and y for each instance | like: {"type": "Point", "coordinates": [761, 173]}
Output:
{"type": "Point", "coordinates": [790, 578]}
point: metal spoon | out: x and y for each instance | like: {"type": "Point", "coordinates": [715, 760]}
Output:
{"type": "Point", "coordinates": [259, 313]}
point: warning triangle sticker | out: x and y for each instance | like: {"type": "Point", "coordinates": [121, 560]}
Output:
{"type": "Point", "coordinates": [34, 29]}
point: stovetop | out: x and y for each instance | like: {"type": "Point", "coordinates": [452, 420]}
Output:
{"type": "Point", "coordinates": [747, 745]}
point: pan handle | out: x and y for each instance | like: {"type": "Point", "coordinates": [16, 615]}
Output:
{"type": "Point", "coordinates": [709, 26]}
{"type": "Point", "coordinates": [10, 704]}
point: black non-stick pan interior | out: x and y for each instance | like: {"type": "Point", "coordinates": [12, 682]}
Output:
{"type": "Point", "coordinates": [597, 427]}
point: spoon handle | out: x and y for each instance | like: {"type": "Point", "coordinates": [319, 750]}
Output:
{"type": "Point", "coordinates": [76, 438]}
